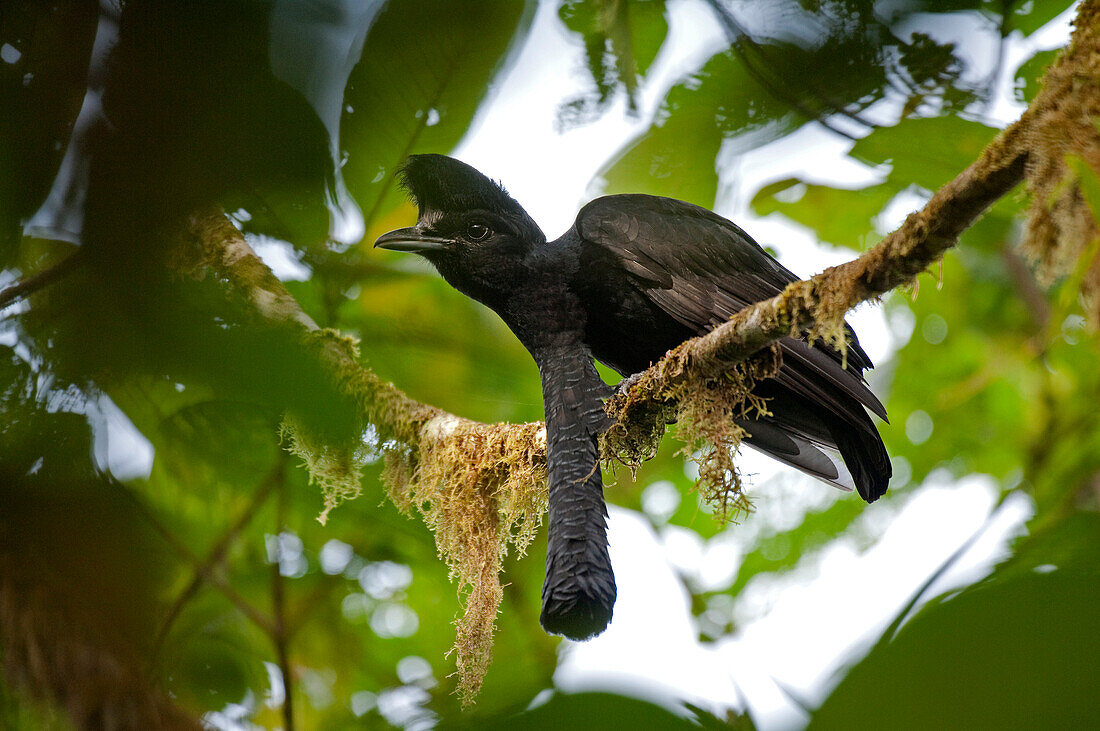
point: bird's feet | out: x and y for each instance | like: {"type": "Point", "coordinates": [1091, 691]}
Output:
{"type": "Point", "coordinates": [627, 383]}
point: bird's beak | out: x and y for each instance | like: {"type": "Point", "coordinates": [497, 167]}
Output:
{"type": "Point", "coordinates": [410, 239]}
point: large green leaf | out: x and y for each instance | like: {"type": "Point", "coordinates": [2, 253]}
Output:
{"type": "Point", "coordinates": [1029, 16]}
{"type": "Point", "coordinates": [840, 60]}
{"type": "Point", "coordinates": [425, 69]}
{"type": "Point", "coordinates": [621, 39]}
{"type": "Point", "coordinates": [1015, 650]}
{"type": "Point", "coordinates": [603, 710]}
{"type": "Point", "coordinates": [838, 216]}
{"type": "Point", "coordinates": [677, 156]}
{"type": "Point", "coordinates": [924, 151]}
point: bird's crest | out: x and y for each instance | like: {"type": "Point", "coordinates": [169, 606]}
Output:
{"type": "Point", "coordinates": [441, 183]}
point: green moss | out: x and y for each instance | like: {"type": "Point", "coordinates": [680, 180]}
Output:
{"type": "Point", "coordinates": [336, 469]}
{"type": "Point", "coordinates": [480, 488]}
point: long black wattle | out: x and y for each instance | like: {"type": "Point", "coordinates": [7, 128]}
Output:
{"type": "Point", "coordinates": [578, 595]}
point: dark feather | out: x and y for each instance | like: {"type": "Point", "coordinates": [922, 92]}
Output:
{"type": "Point", "coordinates": [441, 183]}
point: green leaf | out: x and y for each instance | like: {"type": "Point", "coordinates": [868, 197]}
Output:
{"type": "Point", "coordinates": [967, 370]}
{"type": "Point", "coordinates": [838, 216]}
{"type": "Point", "coordinates": [621, 38]}
{"type": "Point", "coordinates": [213, 654]}
{"type": "Point", "coordinates": [426, 67]}
{"type": "Point", "coordinates": [1016, 648]}
{"type": "Point", "coordinates": [677, 155]}
{"type": "Point", "coordinates": [1029, 16]}
{"type": "Point", "coordinates": [1030, 74]}
{"type": "Point", "coordinates": [925, 151]}
{"type": "Point", "coordinates": [586, 710]}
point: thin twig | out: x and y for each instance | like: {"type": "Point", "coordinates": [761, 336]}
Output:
{"type": "Point", "coordinates": [278, 601]}
{"type": "Point", "coordinates": [216, 555]}
{"type": "Point", "coordinates": [31, 284]}
{"type": "Point", "coordinates": [254, 615]}
{"type": "Point", "coordinates": [211, 576]}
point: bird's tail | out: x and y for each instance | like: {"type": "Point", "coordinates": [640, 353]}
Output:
{"type": "Point", "coordinates": [579, 593]}
{"type": "Point", "coordinates": [844, 450]}
{"type": "Point", "coordinates": [865, 456]}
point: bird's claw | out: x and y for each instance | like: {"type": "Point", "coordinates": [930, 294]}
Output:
{"type": "Point", "coordinates": [623, 389]}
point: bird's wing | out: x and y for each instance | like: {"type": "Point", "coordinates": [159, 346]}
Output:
{"type": "Point", "coordinates": [701, 269]}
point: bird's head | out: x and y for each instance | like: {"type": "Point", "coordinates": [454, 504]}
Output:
{"type": "Point", "coordinates": [468, 226]}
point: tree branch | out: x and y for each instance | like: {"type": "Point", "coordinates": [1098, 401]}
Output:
{"type": "Point", "coordinates": [34, 282]}
{"type": "Point", "coordinates": [1064, 109]}
{"type": "Point", "coordinates": [207, 571]}
{"type": "Point", "coordinates": [216, 555]}
{"type": "Point", "coordinates": [501, 467]}
{"type": "Point", "coordinates": [814, 306]}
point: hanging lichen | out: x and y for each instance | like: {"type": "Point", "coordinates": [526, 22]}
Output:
{"type": "Point", "coordinates": [479, 488]}
{"type": "Point", "coordinates": [336, 469]}
{"type": "Point", "coordinates": [335, 462]}
{"type": "Point", "coordinates": [706, 414]}
{"type": "Point", "coordinates": [1064, 165]}
{"type": "Point", "coordinates": [708, 425]}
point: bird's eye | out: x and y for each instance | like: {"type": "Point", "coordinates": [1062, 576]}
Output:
{"type": "Point", "coordinates": [477, 232]}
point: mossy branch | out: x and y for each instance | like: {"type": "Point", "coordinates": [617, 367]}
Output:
{"type": "Point", "coordinates": [480, 487]}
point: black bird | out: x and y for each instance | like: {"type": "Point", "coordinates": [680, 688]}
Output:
{"type": "Point", "coordinates": [633, 277]}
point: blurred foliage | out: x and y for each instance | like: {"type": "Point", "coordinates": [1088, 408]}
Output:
{"type": "Point", "coordinates": [789, 64]}
{"type": "Point", "coordinates": [1016, 649]}
{"type": "Point", "coordinates": [603, 710]}
{"type": "Point", "coordinates": [621, 40]}
{"type": "Point", "coordinates": [214, 546]}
